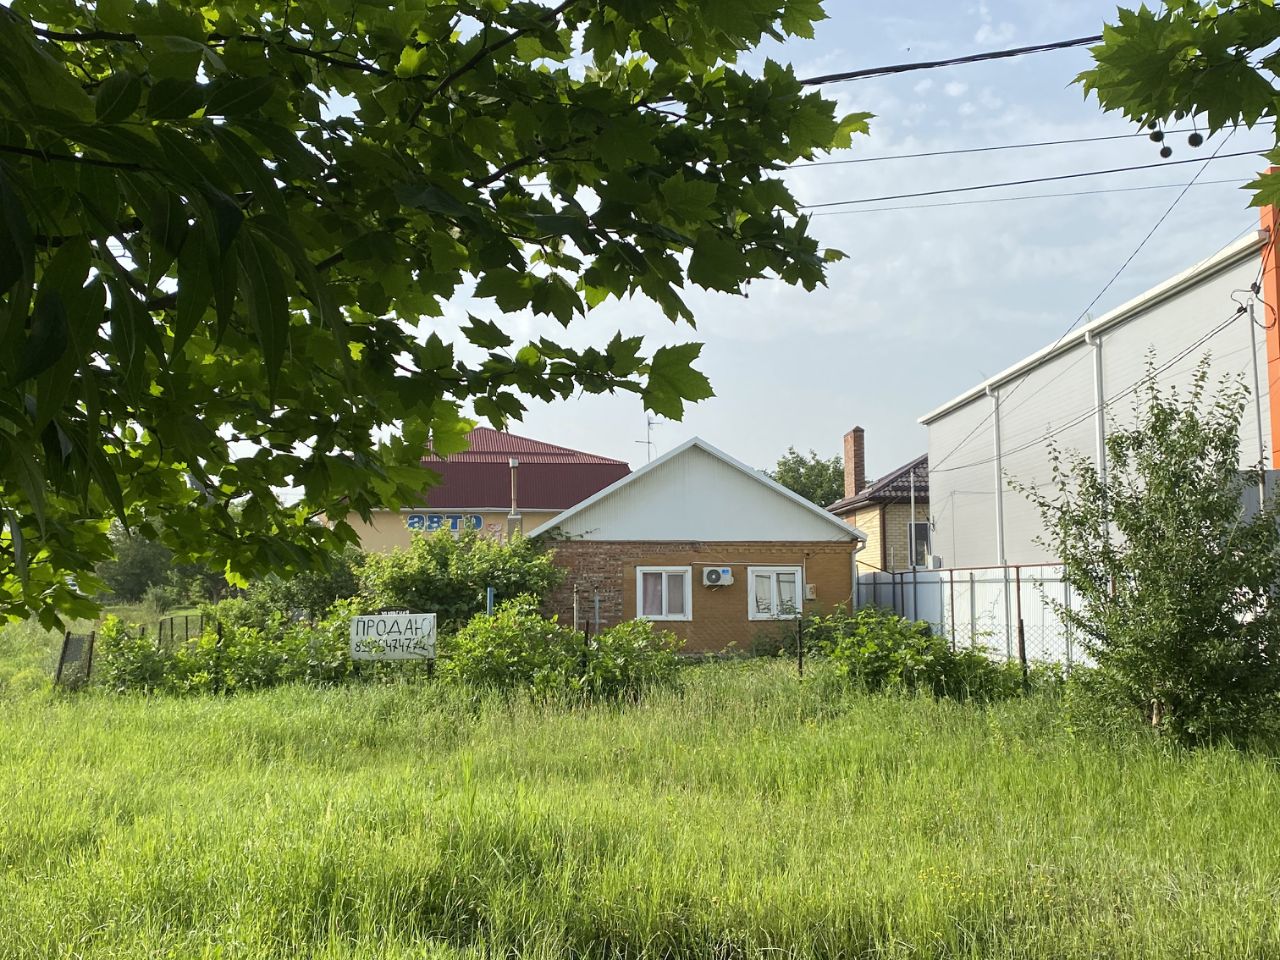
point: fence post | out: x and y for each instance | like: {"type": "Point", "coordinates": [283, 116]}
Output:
{"type": "Point", "coordinates": [800, 646]}
{"type": "Point", "coordinates": [1066, 624]}
{"type": "Point", "coordinates": [62, 657]}
{"type": "Point", "coordinates": [1022, 632]}
{"type": "Point", "coordinates": [951, 576]}
{"type": "Point", "coordinates": [88, 665]}
{"type": "Point", "coordinates": [973, 608]}
{"type": "Point", "coordinates": [217, 660]}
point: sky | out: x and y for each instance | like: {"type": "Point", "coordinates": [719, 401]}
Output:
{"type": "Point", "coordinates": [930, 301]}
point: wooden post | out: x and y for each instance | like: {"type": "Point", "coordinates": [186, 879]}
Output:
{"type": "Point", "coordinates": [88, 664]}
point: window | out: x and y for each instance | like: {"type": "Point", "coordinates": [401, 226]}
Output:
{"type": "Point", "coordinates": [664, 593]}
{"type": "Point", "coordinates": [918, 542]}
{"type": "Point", "coordinates": [773, 593]}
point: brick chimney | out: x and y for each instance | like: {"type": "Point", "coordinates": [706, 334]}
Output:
{"type": "Point", "coordinates": [855, 463]}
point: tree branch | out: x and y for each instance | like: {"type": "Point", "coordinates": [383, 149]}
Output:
{"type": "Point", "coordinates": [69, 158]}
{"type": "Point", "coordinates": [492, 48]}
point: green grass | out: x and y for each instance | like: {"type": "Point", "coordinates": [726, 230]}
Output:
{"type": "Point", "coordinates": [747, 817]}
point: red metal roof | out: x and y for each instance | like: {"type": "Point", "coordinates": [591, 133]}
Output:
{"type": "Point", "coordinates": [549, 477]}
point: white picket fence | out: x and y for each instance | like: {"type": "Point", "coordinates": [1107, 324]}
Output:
{"type": "Point", "coordinates": [1007, 611]}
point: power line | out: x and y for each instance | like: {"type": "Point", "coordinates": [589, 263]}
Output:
{"type": "Point", "coordinates": [1021, 183]}
{"type": "Point", "coordinates": [953, 62]}
{"type": "Point", "coordinates": [1092, 411]}
{"type": "Point", "coordinates": [1028, 196]}
{"type": "Point", "coordinates": [806, 164]}
{"type": "Point", "coordinates": [1084, 313]}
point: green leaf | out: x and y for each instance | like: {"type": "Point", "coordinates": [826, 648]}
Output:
{"type": "Point", "coordinates": [672, 381]}
{"type": "Point", "coordinates": [485, 334]}
{"type": "Point", "coordinates": [239, 96]}
{"type": "Point", "coordinates": [717, 262]}
{"type": "Point", "coordinates": [49, 337]}
{"type": "Point", "coordinates": [118, 97]}
{"type": "Point", "coordinates": [267, 302]}
{"type": "Point", "coordinates": [174, 98]}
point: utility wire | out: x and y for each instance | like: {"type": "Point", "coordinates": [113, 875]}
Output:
{"type": "Point", "coordinates": [1084, 313]}
{"type": "Point", "coordinates": [1093, 410]}
{"type": "Point", "coordinates": [953, 62]}
{"type": "Point", "coordinates": [1026, 196]}
{"type": "Point", "coordinates": [806, 164]}
{"type": "Point", "coordinates": [1021, 183]}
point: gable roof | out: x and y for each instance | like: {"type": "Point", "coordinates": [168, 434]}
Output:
{"type": "Point", "coordinates": [549, 477]}
{"type": "Point", "coordinates": [830, 524]}
{"type": "Point", "coordinates": [893, 487]}
{"type": "Point", "coordinates": [495, 446]}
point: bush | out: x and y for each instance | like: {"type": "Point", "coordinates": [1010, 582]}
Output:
{"type": "Point", "coordinates": [877, 650]}
{"type": "Point", "coordinates": [1175, 586]}
{"type": "Point", "coordinates": [629, 659]}
{"type": "Point", "coordinates": [518, 649]}
{"type": "Point", "coordinates": [242, 656]}
{"type": "Point", "coordinates": [310, 593]}
{"type": "Point", "coordinates": [447, 575]}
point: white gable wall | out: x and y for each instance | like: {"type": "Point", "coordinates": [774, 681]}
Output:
{"type": "Point", "coordinates": [696, 496]}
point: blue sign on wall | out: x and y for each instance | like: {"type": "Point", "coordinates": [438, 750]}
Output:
{"type": "Point", "coordinates": [431, 522]}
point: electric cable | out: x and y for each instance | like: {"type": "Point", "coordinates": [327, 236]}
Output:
{"type": "Point", "coordinates": [952, 62]}
{"type": "Point", "coordinates": [1021, 183]}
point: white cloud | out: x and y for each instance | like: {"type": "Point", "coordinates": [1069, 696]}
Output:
{"type": "Point", "coordinates": [995, 33]}
{"type": "Point", "coordinates": [956, 89]}
{"type": "Point", "coordinates": [923, 87]}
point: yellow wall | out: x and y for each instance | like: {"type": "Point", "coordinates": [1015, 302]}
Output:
{"type": "Point", "coordinates": [886, 529]}
{"type": "Point", "coordinates": [389, 529]}
{"type": "Point", "coordinates": [897, 549]}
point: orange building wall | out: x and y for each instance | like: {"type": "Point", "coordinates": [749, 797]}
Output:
{"type": "Point", "coordinates": [719, 614]}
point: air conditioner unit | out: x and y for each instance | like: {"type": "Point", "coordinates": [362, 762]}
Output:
{"type": "Point", "coordinates": [717, 576]}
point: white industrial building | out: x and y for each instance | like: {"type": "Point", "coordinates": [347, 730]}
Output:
{"type": "Point", "coordinates": [1073, 391]}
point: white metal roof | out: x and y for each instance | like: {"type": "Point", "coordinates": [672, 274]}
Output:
{"type": "Point", "coordinates": [1225, 258]}
{"type": "Point", "coordinates": [849, 532]}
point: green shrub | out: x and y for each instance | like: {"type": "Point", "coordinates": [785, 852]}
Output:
{"type": "Point", "coordinates": [877, 650]}
{"type": "Point", "coordinates": [518, 649]}
{"type": "Point", "coordinates": [447, 575]}
{"type": "Point", "coordinates": [125, 659]}
{"type": "Point", "coordinates": [310, 593]}
{"type": "Point", "coordinates": [241, 656]}
{"type": "Point", "coordinates": [631, 658]}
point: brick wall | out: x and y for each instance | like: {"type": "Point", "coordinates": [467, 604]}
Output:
{"type": "Point", "coordinates": [719, 614]}
{"type": "Point", "coordinates": [897, 550]}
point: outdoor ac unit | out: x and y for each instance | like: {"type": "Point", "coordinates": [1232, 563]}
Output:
{"type": "Point", "coordinates": [717, 576]}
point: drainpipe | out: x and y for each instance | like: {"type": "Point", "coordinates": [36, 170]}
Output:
{"type": "Point", "coordinates": [514, 520]}
{"type": "Point", "coordinates": [1100, 420]}
{"type": "Point", "coordinates": [1000, 551]}
{"type": "Point", "coordinates": [858, 547]}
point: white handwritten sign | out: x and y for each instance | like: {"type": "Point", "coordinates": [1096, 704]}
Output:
{"type": "Point", "coordinates": [394, 636]}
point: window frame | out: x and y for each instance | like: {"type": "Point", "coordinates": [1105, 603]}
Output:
{"type": "Point", "coordinates": [914, 562]}
{"type": "Point", "coordinates": [665, 617]}
{"type": "Point", "coordinates": [773, 571]}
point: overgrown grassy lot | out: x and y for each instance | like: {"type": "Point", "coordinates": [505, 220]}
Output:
{"type": "Point", "coordinates": [750, 816]}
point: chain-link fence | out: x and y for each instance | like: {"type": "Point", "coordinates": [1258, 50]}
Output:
{"type": "Point", "coordinates": [1012, 612]}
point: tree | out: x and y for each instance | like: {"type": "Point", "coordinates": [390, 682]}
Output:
{"type": "Point", "coordinates": [226, 232]}
{"type": "Point", "coordinates": [1174, 586]}
{"type": "Point", "coordinates": [817, 480]}
{"type": "Point", "coordinates": [136, 565]}
{"type": "Point", "coordinates": [1193, 60]}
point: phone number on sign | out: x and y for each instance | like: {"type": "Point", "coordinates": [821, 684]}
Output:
{"type": "Point", "coordinates": [418, 646]}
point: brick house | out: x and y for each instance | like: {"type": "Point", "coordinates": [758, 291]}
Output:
{"type": "Point", "coordinates": [501, 481]}
{"type": "Point", "coordinates": [882, 510]}
{"type": "Point", "coordinates": [713, 550]}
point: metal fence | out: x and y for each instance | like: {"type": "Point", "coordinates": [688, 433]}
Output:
{"type": "Point", "coordinates": [75, 659]}
{"type": "Point", "coordinates": [1011, 612]}
{"type": "Point", "coordinates": [182, 628]}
